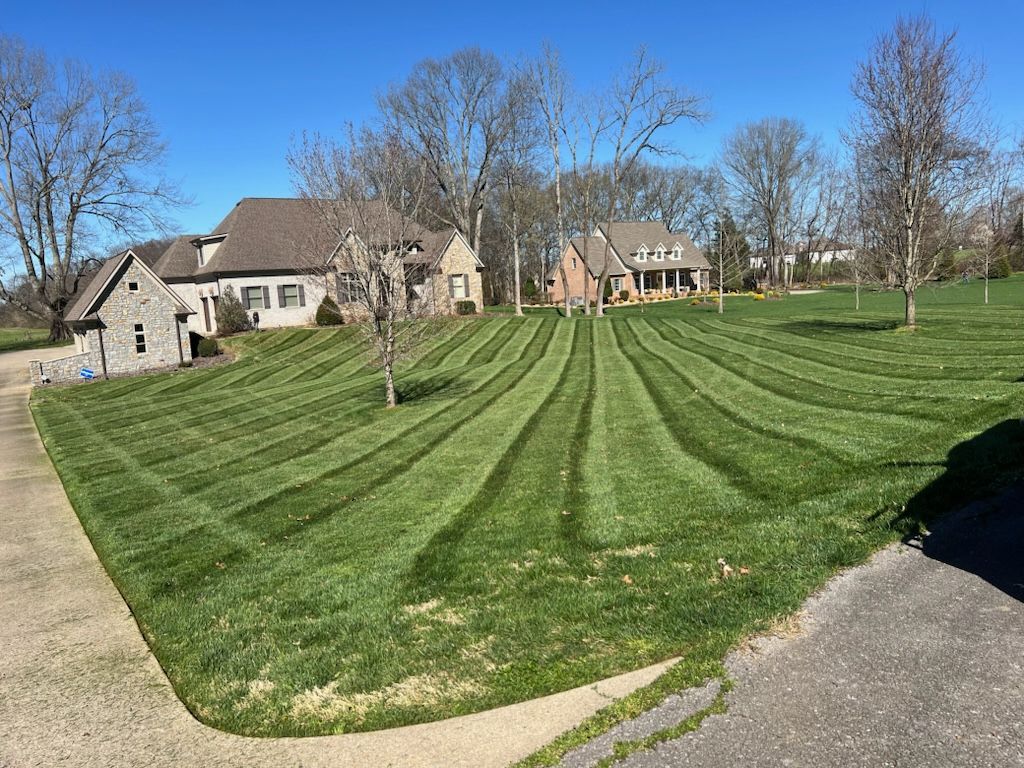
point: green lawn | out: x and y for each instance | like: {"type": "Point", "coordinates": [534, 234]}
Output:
{"type": "Point", "coordinates": [545, 509]}
{"type": "Point", "coordinates": [14, 339]}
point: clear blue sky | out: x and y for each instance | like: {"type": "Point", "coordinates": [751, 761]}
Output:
{"type": "Point", "coordinates": [230, 86]}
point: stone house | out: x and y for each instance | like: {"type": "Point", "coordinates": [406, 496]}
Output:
{"type": "Point", "coordinates": [280, 260]}
{"type": "Point", "coordinates": [125, 320]}
{"type": "Point", "coordinates": [644, 257]}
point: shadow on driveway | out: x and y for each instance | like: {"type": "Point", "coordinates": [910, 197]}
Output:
{"type": "Point", "coordinates": [985, 537]}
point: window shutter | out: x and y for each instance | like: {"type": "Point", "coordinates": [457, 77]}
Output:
{"type": "Point", "coordinates": [465, 286]}
{"type": "Point", "coordinates": [451, 287]}
{"type": "Point", "coordinates": [302, 295]}
{"type": "Point", "coordinates": [245, 297]}
{"type": "Point", "coordinates": [266, 297]}
{"type": "Point", "coordinates": [280, 295]}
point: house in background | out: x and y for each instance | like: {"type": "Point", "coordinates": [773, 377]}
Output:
{"type": "Point", "coordinates": [125, 320]}
{"type": "Point", "coordinates": [274, 253]}
{"type": "Point", "coordinates": [644, 257]}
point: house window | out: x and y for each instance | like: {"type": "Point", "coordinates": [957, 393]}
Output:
{"type": "Point", "coordinates": [641, 255]}
{"type": "Point", "coordinates": [616, 284]}
{"type": "Point", "coordinates": [140, 339]}
{"type": "Point", "coordinates": [677, 253]}
{"type": "Point", "coordinates": [574, 262]}
{"type": "Point", "coordinates": [348, 288]}
{"type": "Point", "coordinates": [254, 297]}
{"type": "Point", "coordinates": [458, 286]}
{"type": "Point", "coordinates": [133, 286]}
{"type": "Point", "coordinates": [289, 296]}
{"type": "Point", "coordinates": [659, 255]}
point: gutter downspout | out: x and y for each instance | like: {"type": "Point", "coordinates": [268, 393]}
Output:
{"type": "Point", "coordinates": [103, 352]}
{"type": "Point", "coordinates": [177, 329]}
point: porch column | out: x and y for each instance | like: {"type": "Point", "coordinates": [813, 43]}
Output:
{"type": "Point", "coordinates": [642, 281]}
{"type": "Point", "coordinates": [663, 286]}
{"type": "Point", "coordinates": [677, 281]}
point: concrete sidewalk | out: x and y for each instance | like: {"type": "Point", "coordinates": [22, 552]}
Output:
{"type": "Point", "coordinates": [79, 687]}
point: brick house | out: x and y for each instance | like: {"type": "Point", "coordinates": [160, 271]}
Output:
{"type": "Point", "coordinates": [125, 320]}
{"type": "Point", "coordinates": [644, 257]}
{"type": "Point", "coordinates": [280, 260]}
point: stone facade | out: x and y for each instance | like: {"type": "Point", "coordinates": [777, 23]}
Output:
{"type": "Point", "coordinates": [458, 261]}
{"type": "Point", "coordinates": [135, 326]}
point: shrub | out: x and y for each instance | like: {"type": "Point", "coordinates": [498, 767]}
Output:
{"type": "Point", "coordinates": [328, 313]}
{"type": "Point", "coordinates": [465, 307]}
{"type": "Point", "coordinates": [758, 297]}
{"type": "Point", "coordinates": [207, 347]}
{"type": "Point", "coordinates": [624, 294]}
{"type": "Point", "coordinates": [529, 289]}
{"type": "Point", "coordinates": [694, 302]}
{"type": "Point", "coordinates": [608, 289]}
{"type": "Point", "coordinates": [231, 315]}
{"type": "Point", "coordinates": [1000, 268]}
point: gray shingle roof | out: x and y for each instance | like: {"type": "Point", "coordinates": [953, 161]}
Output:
{"type": "Point", "coordinates": [281, 234]}
{"type": "Point", "coordinates": [628, 236]}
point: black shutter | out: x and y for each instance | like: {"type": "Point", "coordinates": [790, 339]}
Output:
{"type": "Point", "coordinates": [451, 287]}
{"type": "Point", "coordinates": [280, 296]}
{"type": "Point", "coordinates": [302, 295]}
{"type": "Point", "coordinates": [245, 297]}
{"type": "Point", "coordinates": [266, 297]}
{"type": "Point", "coordinates": [465, 286]}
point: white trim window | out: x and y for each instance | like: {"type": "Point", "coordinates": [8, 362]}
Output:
{"type": "Point", "coordinates": [641, 254]}
{"type": "Point", "coordinates": [348, 288]}
{"type": "Point", "coordinates": [574, 262]}
{"type": "Point", "coordinates": [677, 253]}
{"type": "Point", "coordinates": [458, 286]}
{"type": "Point", "coordinates": [133, 286]}
{"type": "Point", "coordinates": [659, 253]}
{"type": "Point", "coordinates": [616, 284]}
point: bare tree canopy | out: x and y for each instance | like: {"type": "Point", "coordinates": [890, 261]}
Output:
{"type": "Point", "coordinates": [367, 193]}
{"type": "Point", "coordinates": [918, 143]}
{"type": "Point", "coordinates": [642, 103]}
{"type": "Point", "coordinates": [452, 112]}
{"type": "Point", "coordinates": [78, 152]}
{"type": "Point", "coordinates": [771, 167]}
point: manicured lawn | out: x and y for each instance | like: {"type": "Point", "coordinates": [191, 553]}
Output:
{"type": "Point", "coordinates": [547, 506]}
{"type": "Point", "coordinates": [14, 339]}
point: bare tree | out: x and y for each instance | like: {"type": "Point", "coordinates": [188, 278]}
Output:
{"type": "Point", "coordinates": [550, 92]}
{"type": "Point", "coordinates": [78, 153]}
{"type": "Point", "coordinates": [452, 112]}
{"type": "Point", "coordinates": [516, 161]}
{"type": "Point", "coordinates": [769, 166]}
{"type": "Point", "coordinates": [641, 104]}
{"type": "Point", "coordinates": [917, 143]}
{"type": "Point", "coordinates": [997, 209]}
{"type": "Point", "coordinates": [366, 197]}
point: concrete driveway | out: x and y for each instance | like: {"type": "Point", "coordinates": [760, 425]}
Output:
{"type": "Point", "coordinates": [79, 687]}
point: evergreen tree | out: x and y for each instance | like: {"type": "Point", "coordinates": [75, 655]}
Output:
{"type": "Point", "coordinates": [231, 315]}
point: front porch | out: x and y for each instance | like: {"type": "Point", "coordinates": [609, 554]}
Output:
{"type": "Point", "coordinates": [669, 280]}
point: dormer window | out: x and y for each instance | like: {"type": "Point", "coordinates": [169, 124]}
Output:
{"type": "Point", "coordinates": [641, 254]}
{"type": "Point", "coordinates": [659, 253]}
{"type": "Point", "coordinates": [677, 253]}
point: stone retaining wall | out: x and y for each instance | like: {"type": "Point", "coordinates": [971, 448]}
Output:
{"type": "Point", "coordinates": [61, 370]}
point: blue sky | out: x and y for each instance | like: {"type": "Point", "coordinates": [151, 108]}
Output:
{"type": "Point", "coordinates": [230, 86]}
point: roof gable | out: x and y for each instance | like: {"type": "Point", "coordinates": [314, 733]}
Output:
{"type": "Point", "coordinates": [91, 299]}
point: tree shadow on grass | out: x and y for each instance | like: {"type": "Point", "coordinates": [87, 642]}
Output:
{"type": "Point", "coordinates": [840, 326]}
{"type": "Point", "coordinates": [975, 510]}
{"type": "Point", "coordinates": [431, 388]}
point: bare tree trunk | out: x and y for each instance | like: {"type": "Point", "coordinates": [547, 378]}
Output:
{"type": "Point", "coordinates": [389, 385]}
{"type": "Point", "coordinates": [515, 263]}
{"type": "Point", "coordinates": [911, 313]}
{"type": "Point", "coordinates": [60, 331]}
